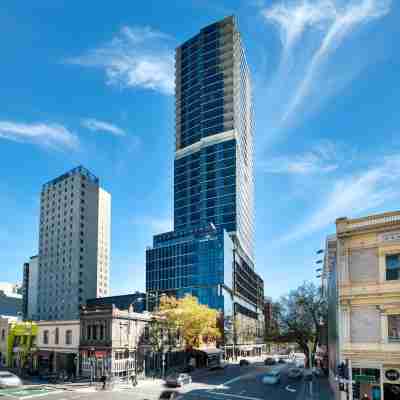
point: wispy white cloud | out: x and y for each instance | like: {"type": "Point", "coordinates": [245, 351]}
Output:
{"type": "Point", "coordinates": [342, 25]}
{"type": "Point", "coordinates": [135, 57]}
{"type": "Point", "coordinates": [102, 126]}
{"type": "Point", "coordinates": [49, 135]}
{"type": "Point", "coordinates": [310, 70]}
{"type": "Point", "coordinates": [322, 158]}
{"type": "Point", "coordinates": [292, 20]}
{"type": "Point", "coordinates": [155, 224]}
{"type": "Point", "coordinates": [353, 195]}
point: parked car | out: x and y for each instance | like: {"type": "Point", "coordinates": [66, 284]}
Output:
{"type": "Point", "coordinates": [244, 363]}
{"type": "Point", "coordinates": [272, 378]}
{"type": "Point", "coordinates": [269, 361]}
{"type": "Point", "coordinates": [170, 395]}
{"type": "Point", "coordinates": [7, 379]}
{"type": "Point", "coordinates": [178, 380]}
{"type": "Point", "coordinates": [282, 360]}
{"type": "Point", "coordinates": [308, 375]}
{"type": "Point", "coordinates": [295, 373]}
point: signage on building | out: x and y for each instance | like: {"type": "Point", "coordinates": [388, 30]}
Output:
{"type": "Point", "coordinates": [392, 375]}
{"type": "Point", "coordinates": [100, 354]}
{"type": "Point", "coordinates": [389, 237]}
{"type": "Point", "coordinates": [365, 379]}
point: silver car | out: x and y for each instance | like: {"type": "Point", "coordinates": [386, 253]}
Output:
{"type": "Point", "coordinates": [272, 377]}
{"type": "Point", "coordinates": [178, 380]}
{"type": "Point", "coordinates": [7, 379]}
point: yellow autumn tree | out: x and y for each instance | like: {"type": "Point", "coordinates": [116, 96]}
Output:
{"type": "Point", "coordinates": [195, 322]}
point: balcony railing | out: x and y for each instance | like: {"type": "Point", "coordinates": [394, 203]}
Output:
{"type": "Point", "coordinates": [386, 218]}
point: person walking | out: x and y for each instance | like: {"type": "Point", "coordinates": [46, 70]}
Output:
{"type": "Point", "coordinates": [103, 380]}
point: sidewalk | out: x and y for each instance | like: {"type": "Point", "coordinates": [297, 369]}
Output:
{"type": "Point", "coordinates": [321, 390]}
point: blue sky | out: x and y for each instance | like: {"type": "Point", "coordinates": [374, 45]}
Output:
{"type": "Point", "coordinates": [93, 85]}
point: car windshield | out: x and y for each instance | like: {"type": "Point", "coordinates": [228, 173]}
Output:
{"type": "Point", "coordinates": [6, 375]}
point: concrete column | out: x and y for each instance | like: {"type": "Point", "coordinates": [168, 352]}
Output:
{"type": "Point", "coordinates": [350, 378]}
{"type": "Point", "coordinates": [77, 364]}
{"type": "Point", "coordinates": [382, 265]}
{"type": "Point", "coordinates": [346, 266]}
{"type": "Point", "coordinates": [345, 323]}
{"type": "Point", "coordinates": [384, 328]}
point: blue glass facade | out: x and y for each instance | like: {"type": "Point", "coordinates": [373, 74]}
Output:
{"type": "Point", "coordinates": [214, 134]}
{"type": "Point", "coordinates": [196, 262]}
{"type": "Point", "coordinates": [202, 84]}
{"type": "Point", "coordinates": [210, 252]}
{"type": "Point", "coordinates": [205, 187]}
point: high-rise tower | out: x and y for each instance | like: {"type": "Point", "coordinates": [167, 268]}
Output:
{"type": "Point", "coordinates": [74, 244]}
{"type": "Point", "coordinates": [210, 252]}
{"type": "Point", "coordinates": [214, 134]}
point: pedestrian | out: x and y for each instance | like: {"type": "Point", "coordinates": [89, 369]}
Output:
{"type": "Point", "coordinates": [103, 381]}
{"type": "Point", "coordinates": [134, 380]}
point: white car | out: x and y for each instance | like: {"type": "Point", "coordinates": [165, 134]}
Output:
{"type": "Point", "coordinates": [272, 378]}
{"type": "Point", "coordinates": [7, 379]}
{"type": "Point", "coordinates": [178, 380]}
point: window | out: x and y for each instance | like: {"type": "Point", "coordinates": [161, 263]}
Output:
{"type": "Point", "coordinates": [68, 337]}
{"type": "Point", "coordinates": [3, 335]}
{"type": "Point", "coordinates": [394, 328]}
{"type": "Point", "coordinates": [56, 336]}
{"type": "Point", "coordinates": [46, 337]}
{"type": "Point", "coordinates": [393, 267]}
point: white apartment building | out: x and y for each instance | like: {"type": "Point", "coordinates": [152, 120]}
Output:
{"type": "Point", "coordinates": [74, 244]}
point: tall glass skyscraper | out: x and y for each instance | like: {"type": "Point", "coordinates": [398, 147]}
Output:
{"type": "Point", "coordinates": [210, 252]}
{"type": "Point", "coordinates": [214, 134]}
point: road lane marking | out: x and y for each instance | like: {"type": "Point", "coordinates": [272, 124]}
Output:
{"type": "Point", "coordinates": [290, 389]}
{"type": "Point", "coordinates": [237, 396]}
{"type": "Point", "coordinates": [234, 379]}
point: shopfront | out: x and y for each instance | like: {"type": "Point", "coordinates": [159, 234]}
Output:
{"type": "Point", "coordinates": [391, 382]}
{"type": "Point", "coordinates": [367, 381]}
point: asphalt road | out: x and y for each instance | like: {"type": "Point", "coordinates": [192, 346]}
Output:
{"type": "Point", "coordinates": [232, 383]}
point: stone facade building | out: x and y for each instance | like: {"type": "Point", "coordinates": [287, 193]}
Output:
{"type": "Point", "coordinates": [112, 341]}
{"type": "Point", "coordinates": [368, 303]}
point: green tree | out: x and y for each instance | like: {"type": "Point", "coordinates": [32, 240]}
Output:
{"type": "Point", "coordinates": [191, 321]}
{"type": "Point", "coordinates": [300, 316]}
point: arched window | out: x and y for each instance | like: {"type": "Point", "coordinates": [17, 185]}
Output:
{"type": "Point", "coordinates": [56, 336]}
{"type": "Point", "coordinates": [3, 334]}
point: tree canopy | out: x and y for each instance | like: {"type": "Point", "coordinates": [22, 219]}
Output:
{"type": "Point", "coordinates": [300, 316]}
{"type": "Point", "coordinates": [194, 322]}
